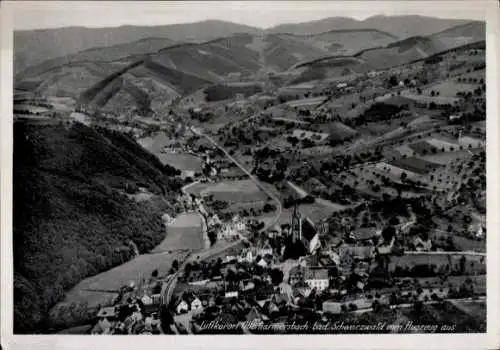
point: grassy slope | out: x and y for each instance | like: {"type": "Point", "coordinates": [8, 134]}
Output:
{"type": "Point", "coordinates": [68, 214]}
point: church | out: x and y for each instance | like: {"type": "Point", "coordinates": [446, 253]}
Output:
{"type": "Point", "coordinates": [302, 239]}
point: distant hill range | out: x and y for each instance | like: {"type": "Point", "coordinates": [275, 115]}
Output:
{"type": "Point", "coordinates": [161, 63]}
{"type": "Point", "coordinates": [398, 52]}
{"type": "Point", "coordinates": [399, 26]}
{"type": "Point", "coordinates": [34, 46]}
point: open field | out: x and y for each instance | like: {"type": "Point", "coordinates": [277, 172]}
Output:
{"type": "Point", "coordinates": [449, 88]}
{"type": "Point", "coordinates": [154, 143]}
{"type": "Point", "coordinates": [446, 157]}
{"type": "Point", "coordinates": [307, 102]}
{"type": "Point", "coordinates": [230, 191]}
{"type": "Point", "coordinates": [414, 164]}
{"type": "Point", "coordinates": [135, 270]}
{"type": "Point", "coordinates": [181, 161]}
{"type": "Point", "coordinates": [441, 143]}
{"type": "Point", "coordinates": [467, 141]}
{"type": "Point", "coordinates": [428, 99]}
{"type": "Point", "coordinates": [185, 232]}
{"type": "Point", "coordinates": [405, 150]}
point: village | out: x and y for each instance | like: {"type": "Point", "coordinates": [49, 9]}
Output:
{"type": "Point", "coordinates": [290, 275]}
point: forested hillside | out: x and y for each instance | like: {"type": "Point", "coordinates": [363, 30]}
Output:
{"type": "Point", "coordinates": [71, 212]}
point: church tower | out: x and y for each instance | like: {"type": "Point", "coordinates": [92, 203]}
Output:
{"type": "Point", "coordinates": [296, 225]}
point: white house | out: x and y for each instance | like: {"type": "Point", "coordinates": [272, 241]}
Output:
{"type": "Point", "coordinates": [196, 304]}
{"type": "Point", "coordinates": [147, 300]}
{"type": "Point", "coordinates": [240, 226]}
{"type": "Point", "coordinates": [231, 294]}
{"type": "Point", "coordinates": [480, 232]}
{"type": "Point", "coordinates": [230, 258]}
{"type": "Point", "coordinates": [262, 263]}
{"type": "Point", "coordinates": [266, 249]}
{"type": "Point", "coordinates": [247, 285]}
{"type": "Point", "coordinates": [246, 257]}
{"type": "Point", "coordinates": [421, 245]}
{"type": "Point", "coordinates": [316, 278]}
{"type": "Point", "coordinates": [181, 307]}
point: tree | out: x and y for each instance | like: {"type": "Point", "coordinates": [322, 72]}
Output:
{"type": "Point", "coordinates": [393, 80]}
{"type": "Point", "coordinates": [166, 318]}
{"type": "Point", "coordinates": [388, 233]}
{"type": "Point", "coordinates": [394, 221]}
{"type": "Point", "coordinates": [154, 274]}
{"type": "Point", "coordinates": [276, 276]}
{"type": "Point", "coordinates": [404, 176]}
{"type": "Point", "coordinates": [212, 236]}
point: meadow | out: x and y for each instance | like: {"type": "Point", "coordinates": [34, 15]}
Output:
{"type": "Point", "coordinates": [238, 191]}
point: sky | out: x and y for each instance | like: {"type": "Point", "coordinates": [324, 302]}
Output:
{"type": "Point", "coordinates": [263, 14]}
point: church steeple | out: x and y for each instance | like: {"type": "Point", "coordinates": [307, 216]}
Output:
{"type": "Point", "coordinates": [296, 225]}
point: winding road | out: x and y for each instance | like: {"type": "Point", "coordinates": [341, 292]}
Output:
{"type": "Point", "coordinates": [252, 177]}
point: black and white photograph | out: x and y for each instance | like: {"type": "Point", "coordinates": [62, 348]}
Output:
{"type": "Point", "coordinates": [252, 168]}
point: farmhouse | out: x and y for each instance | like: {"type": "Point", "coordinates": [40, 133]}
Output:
{"type": "Point", "coordinates": [196, 304]}
{"type": "Point", "coordinates": [421, 245]}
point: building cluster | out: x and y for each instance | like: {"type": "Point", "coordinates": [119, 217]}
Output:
{"type": "Point", "coordinates": [292, 272]}
{"type": "Point", "coordinates": [135, 315]}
